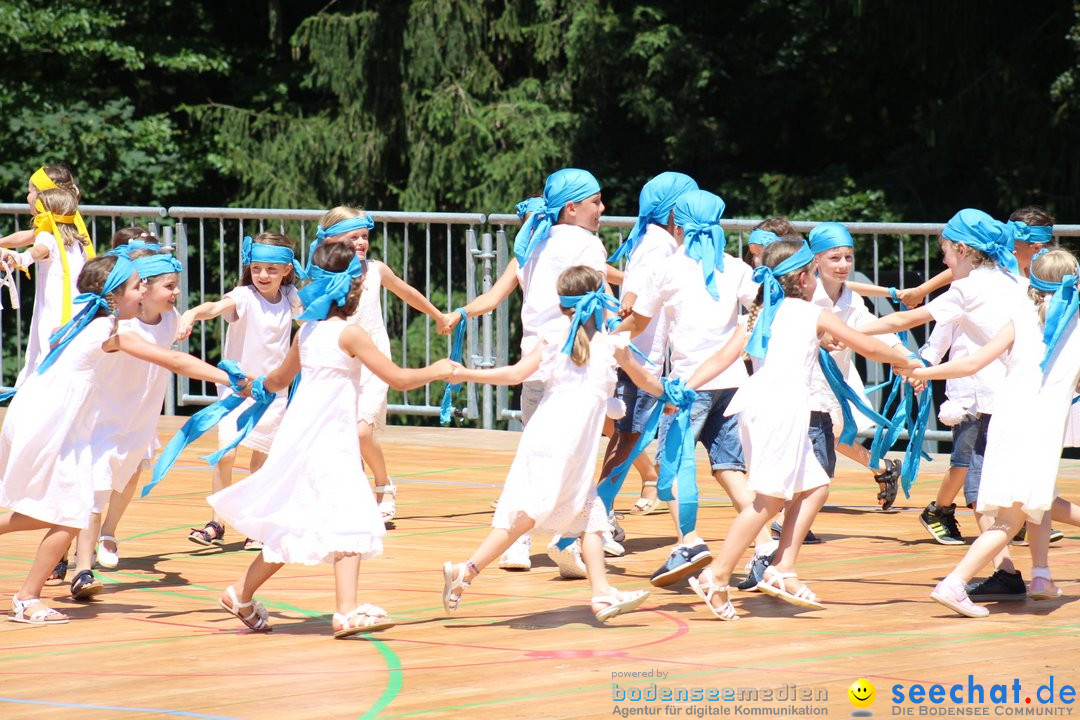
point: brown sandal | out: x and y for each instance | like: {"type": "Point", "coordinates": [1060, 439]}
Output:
{"type": "Point", "coordinates": [211, 534]}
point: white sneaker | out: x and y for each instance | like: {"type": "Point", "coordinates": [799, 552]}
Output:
{"type": "Point", "coordinates": [569, 559]}
{"type": "Point", "coordinates": [107, 559]}
{"type": "Point", "coordinates": [517, 556]}
{"type": "Point", "coordinates": [611, 547]}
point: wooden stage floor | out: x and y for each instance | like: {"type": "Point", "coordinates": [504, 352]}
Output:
{"type": "Point", "coordinates": [523, 645]}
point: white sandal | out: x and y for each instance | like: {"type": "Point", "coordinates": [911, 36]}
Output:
{"type": "Point", "coordinates": [258, 619]}
{"type": "Point", "coordinates": [705, 590]}
{"type": "Point", "coordinates": [618, 603]}
{"type": "Point", "coordinates": [363, 619]}
{"type": "Point", "coordinates": [775, 584]}
{"type": "Point", "coordinates": [645, 506]}
{"type": "Point", "coordinates": [453, 580]}
{"type": "Point", "coordinates": [45, 615]}
{"type": "Point", "coordinates": [107, 559]}
{"type": "Point", "coordinates": [388, 504]}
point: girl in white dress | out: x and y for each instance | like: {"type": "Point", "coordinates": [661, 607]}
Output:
{"type": "Point", "coordinates": [349, 225]}
{"type": "Point", "coordinates": [1024, 437]}
{"type": "Point", "coordinates": [125, 428]}
{"type": "Point", "coordinates": [307, 504]}
{"type": "Point", "coordinates": [550, 484]}
{"type": "Point", "coordinates": [46, 450]}
{"type": "Point", "coordinates": [260, 313]}
{"type": "Point", "coordinates": [773, 408]}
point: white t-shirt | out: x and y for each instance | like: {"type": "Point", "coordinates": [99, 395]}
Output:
{"type": "Point", "coordinates": [566, 246]}
{"type": "Point", "coordinates": [259, 331]}
{"type": "Point", "coordinates": [653, 247]}
{"type": "Point", "coordinates": [699, 325]}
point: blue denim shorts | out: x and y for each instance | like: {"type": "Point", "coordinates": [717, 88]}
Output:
{"type": "Point", "coordinates": [639, 405]}
{"type": "Point", "coordinates": [974, 473]}
{"type": "Point", "coordinates": [823, 441]}
{"type": "Point", "coordinates": [719, 434]}
{"type": "Point", "coordinates": [963, 442]}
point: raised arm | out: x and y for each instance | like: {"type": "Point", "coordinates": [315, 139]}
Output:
{"type": "Point", "coordinates": [201, 313]}
{"type": "Point", "coordinates": [178, 362]}
{"type": "Point", "coordinates": [507, 375]}
{"type": "Point", "coordinates": [862, 343]}
{"type": "Point", "coordinates": [721, 360]}
{"type": "Point", "coordinates": [970, 364]}
{"type": "Point", "coordinates": [485, 303]}
{"type": "Point", "coordinates": [355, 341]}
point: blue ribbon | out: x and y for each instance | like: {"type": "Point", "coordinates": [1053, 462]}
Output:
{"type": "Point", "coordinates": [251, 251]}
{"type": "Point", "coordinates": [347, 225]}
{"type": "Point", "coordinates": [564, 186]}
{"type": "Point", "coordinates": [612, 323]}
{"type": "Point", "coordinates": [829, 235]}
{"type": "Point", "coordinates": [676, 457]}
{"type": "Point", "coordinates": [762, 237]}
{"type": "Point", "coordinates": [698, 213]}
{"type": "Point", "coordinates": [847, 397]}
{"type": "Point", "coordinates": [591, 305]}
{"type": "Point", "coordinates": [327, 287]}
{"type": "Point", "coordinates": [655, 203]}
{"type": "Point", "coordinates": [457, 347]}
{"type": "Point", "coordinates": [1022, 232]}
{"type": "Point", "coordinates": [981, 232]}
{"type": "Point", "coordinates": [772, 294]}
{"type": "Point", "coordinates": [528, 206]}
{"type": "Point", "coordinates": [902, 399]}
{"type": "Point", "coordinates": [248, 419]}
{"type": "Point", "coordinates": [91, 302]}
{"type": "Point", "coordinates": [154, 265]}
{"type": "Point", "coordinates": [1063, 307]}
{"type": "Point", "coordinates": [198, 424]}
{"type": "Point", "coordinates": [125, 250]}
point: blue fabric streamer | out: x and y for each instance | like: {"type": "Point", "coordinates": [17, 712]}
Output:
{"type": "Point", "coordinates": [772, 294]}
{"type": "Point", "coordinates": [251, 251]}
{"type": "Point", "coordinates": [528, 206]}
{"type": "Point", "coordinates": [327, 288]}
{"type": "Point", "coordinates": [563, 186]}
{"type": "Point", "coordinates": [1022, 232]}
{"type": "Point", "coordinates": [762, 237]}
{"type": "Point", "coordinates": [248, 419]}
{"type": "Point", "coordinates": [981, 232]}
{"type": "Point", "coordinates": [347, 225]}
{"type": "Point", "coordinates": [1063, 307]}
{"type": "Point", "coordinates": [91, 302]}
{"type": "Point", "coordinates": [197, 425]}
{"type": "Point", "coordinates": [154, 265]}
{"type": "Point", "coordinates": [829, 235]}
{"type": "Point", "coordinates": [591, 305]}
{"type": "Point", "coordinates": [655, 203]}
{"type": "Point", "coordinates": [698, 213]}
{"type": "Point", "coordinates": [847, 397]}
{"type": "Point", "coordinates": [126, 250]}
{"type": "Point", "coordinates": [457, 347]}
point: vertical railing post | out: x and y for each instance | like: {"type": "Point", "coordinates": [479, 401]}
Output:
{"type": "Point", "coordinates": [488, 359]}
{"type": "Point", "coordinates": [181, 254]}
{"type": "Point", "coordinates": [502, 325]}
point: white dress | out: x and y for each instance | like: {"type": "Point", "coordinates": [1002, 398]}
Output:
{"type": "Point", "coordinates": [46, 458]}
{"type": "Point", "coordinates": [310, 500]}
{"type": "Point", "coordinates": [773, 406]}
{"type": "Point", "coordinates": [371, 403]}
{"type": "Point", "coordinates": [257, 340]}
{"type": "Point", "coordinates": [49, 300]}
{"type": "Point", "coordinates": [1023, 442]}
{"type": "Point", "coordinates": [552, 477]}
{"type": "Point", "coordinates": [132, 391]}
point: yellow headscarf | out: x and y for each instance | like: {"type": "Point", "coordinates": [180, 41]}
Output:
{"type": "Point", "coordinates": [45, 220]}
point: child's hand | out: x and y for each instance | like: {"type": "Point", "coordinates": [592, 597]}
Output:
{"type": "Point", "coordinates": [245, 387]}
{"type": "Point", "coordinates": [8, 258]}
{"type": "Point", "coordinates": [456, 369]}
{"type": "Point", "coordinates": [183, 329]}
{"type": "Point", "coordinates": [442, 325]}
{"type": "Point", "coordinates": [449, 322]}
{"type": "Point", "coordinates": [830, 343]}
{"type": "Point", "coordinates": [443, 368]}
{"type": "Point", "coordinates": [912, 297]}
{"type": "Point", "coordinates": [916, 383]}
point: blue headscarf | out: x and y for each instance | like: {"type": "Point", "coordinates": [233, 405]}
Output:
{"type": "Point", "coordinates": [1063, 306]}
{"type": "Point", "coordinates": [772, 294]}
{"type": "Point", "coordinates": [829, 235]}
{"type": "Point", "coordinates": [135, 244]}
{"type": "Point", "coordinates": [655, 203]}
{"type": "Point", "coordinates": [154, 265]}
{"type": "Point", "coordinates": [1022, 232]}
{"type": "Point", "coordinates": [564, 186]}
{"type": "Point", "coordinates": [348, 225]}
{"type": "Point", "coordinates": [251, 251]}
{"type": "Point", "coordinates": [981, 232]}
{"type": "Point", "coordinates": [590, 305]}
{"type": "Point", "coordinates": [762, 237]}
{"type": "Point", "coordinates": [528, 206]}
{"type": "Point", "coordinates": [91, 302]}
{"type": "Point", "coordinates": [327, 287]}
{"type": "Point", "coordinates": [698, 213]}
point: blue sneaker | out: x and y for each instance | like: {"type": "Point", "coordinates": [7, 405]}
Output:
{"type": "Point", "coordinates": [755, 571]}
{"type": "Point", "coordinates": [683, 562]}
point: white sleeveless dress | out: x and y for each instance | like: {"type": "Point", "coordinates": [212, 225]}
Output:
{"type": "Point", "coordinates": [371, 403]}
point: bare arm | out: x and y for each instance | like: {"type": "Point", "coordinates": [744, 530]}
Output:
{"type": "Point", "coordinates": [861, 343]}
{"type": "Point", "coordinates": [19, 239]}
{"type": "Point", "coordinates": [970, 364]}
{"type": "Point", "coordinates": [719, 361]}
{"type": "Point", "coordinates": [507, 375]}
{"type": "Point", "coordinates": [178, 362]}
{"type": "Point", "coordinates": [202, 313]}
{"type": "Point", "coordinates": [411, 295]}
{"type": "Point", "coordinates": [614, 275]}
{"type": "Point", "coordinates": [485, 303]}
{"type": "Point", "coordinates": [282, 376]}
{"type": "Point", "coordinates": [913, 297]}
{"type": "Point", "coordinates": [867, 290]}
{"type": "Point", "coordinates": [894, 322]}
{"type": "Point", "coordinates": [635, 324]}
{"type": "Point", "coordinates": [637, 373]}
{"type": "Point", "coordinates": [355, 341]}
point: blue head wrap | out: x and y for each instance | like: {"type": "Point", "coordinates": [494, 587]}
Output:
{"type": "Point", "coordinates": [590, 305]}
{"type": "Point", "coordinates": [1022, 232]}
{"type": "Point", "coordinates": [328, 287]}
{"type": "Point", "coordinates": [698, 213]}
{"type": "Point", "coordinates": [772, 294]}
{"type": "Point", "coordinates": [981, 232]}
{"type": "Point", "coordinates": [347, 225]}
{"type": "Point", "coordinates": [829, 235]}
{"type": "Point", "coordinates": [564, 186]}
{"type": "Point", "coordinates": [134, 244]}
{"type": "Point", "coordinates": [655, 203]}
{"type": "Point", "coordinates": [1063, 306]}
{"type": "Point", "coordinates": [91, 302]}
{"type": "Point", "coordinates": [251, 251]}
{"type": "Point", "coordinates": [528, 206]}
{"type": "Point", "coordinates": [154, 265]}
{"type": "Point", "coordinates": [762, 237]}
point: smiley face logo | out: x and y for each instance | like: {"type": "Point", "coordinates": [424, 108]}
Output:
{"type": "Point", "coordinates": [862, 693]}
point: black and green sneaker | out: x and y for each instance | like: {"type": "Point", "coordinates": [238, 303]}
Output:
{"type": "Point", "coordinates": [1022, 541]}
{"type": "Point", "coordinates": [1001, 586]}
{"type": "Point", "coordinates": [941, 523]}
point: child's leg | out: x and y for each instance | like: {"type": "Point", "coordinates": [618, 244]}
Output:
{"type": "Point", "coordinates": [994, 539]}
{"type": "Point", "coordinates": [951, 485]}
{"type": "Point", "coordinates": [17, 522]}
{"type": "Point", "coordinates": [257, 573]}
{"type": "Point", "coordinates": [84, 544]}
{"type": "Point", "coordinates": [1065, 511]}
{"type": "Point", "coordinates": [646, 468]}
{"type": "Point", "coordinates": [221, 478]}
{"type": "Point", "coordinates": [592, 552]}
{"type": "Point", "coordinates": [494, 545]}
{"type": "Point", "coordinates": [118, 504]}
{"type": "Point", "coordinates": [372, 452]}
{"type": "Point", "coordinates": [346, 578]}
{"type": "Point", "coordinates": [855, 452]}
{"type": "Point", "coordinates": [750, 520]}
{"type": "Point", "coordinates": [52, 548]}
{"type": "Point", "coordinates": [1038, 536]}
{"type": "Point", "coordinates": [735, 485]}
{"type": "Point", "coordinates": [1002, 558]}
{"type": "Point", "coordinates": [799, 516]}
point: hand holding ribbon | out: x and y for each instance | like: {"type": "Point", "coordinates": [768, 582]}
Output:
{"type": "Point", "coordinates": [457, 347]}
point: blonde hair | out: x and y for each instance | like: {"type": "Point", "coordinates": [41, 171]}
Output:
{"type": "Point", "coordinates": [60, 201]}
{"type": "Point", "coordinates": [977, 257]}
{"type": "Point", "coordinates": [772, 256]}
{"type": "Point", "coordinates": [579, 280]}
{"type": "Point", "coordinates": [342, 212]}
{"type": "Point", "coordinates": [1050, 266]}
